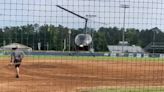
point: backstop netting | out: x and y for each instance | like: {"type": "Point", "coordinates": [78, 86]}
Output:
{"type": "Point", "coordinates": [82, 45]}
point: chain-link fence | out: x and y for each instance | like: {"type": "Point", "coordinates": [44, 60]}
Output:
{"type": "Point", "coordinates": [81, 46]}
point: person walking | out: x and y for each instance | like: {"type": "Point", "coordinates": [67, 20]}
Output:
{"type": "Point", "coordinates": [16, 59]}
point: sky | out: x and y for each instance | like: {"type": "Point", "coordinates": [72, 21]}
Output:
{"type": "Point", "coordinates": [141, 14]}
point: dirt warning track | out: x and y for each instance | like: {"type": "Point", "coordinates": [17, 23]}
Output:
{"type": "Point", "coordinates": [70, 75]}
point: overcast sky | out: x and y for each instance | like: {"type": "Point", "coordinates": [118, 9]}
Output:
{"type": "Point", "coordinates": [142, 14]}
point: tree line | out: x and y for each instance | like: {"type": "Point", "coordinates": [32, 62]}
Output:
{"type": "Point", "coordinates": [54, 37]}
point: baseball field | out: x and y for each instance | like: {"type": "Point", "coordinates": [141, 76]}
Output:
{"type": "Point", "coordinates": [83, 74]}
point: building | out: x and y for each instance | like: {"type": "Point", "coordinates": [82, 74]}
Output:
{"type": "Point", "coordinates": [155, 47]}
{"type": "Point", "coordinates": [7, 48]}
{"type": "Point", "coordinates": [125, 49]}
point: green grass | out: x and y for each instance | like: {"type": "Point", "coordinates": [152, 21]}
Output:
{"type": "Point", "coordinates": [101, 58]}
{"type": "Point", "coordinates": [98, 58]}
{"type": "Point", "coordinates": [124, 90]}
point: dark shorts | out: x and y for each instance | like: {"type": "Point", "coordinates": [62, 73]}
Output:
{"type": "Point", "coordinates": [17, 63]}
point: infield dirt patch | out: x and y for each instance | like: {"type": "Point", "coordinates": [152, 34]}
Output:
{"type": "Point", "coordinates": [52, 75]}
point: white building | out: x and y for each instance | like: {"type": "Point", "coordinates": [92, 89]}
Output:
{"type": "Point", "coordinates": [125, 49]}
{"type": "Point", "coordinates": [7, 48]}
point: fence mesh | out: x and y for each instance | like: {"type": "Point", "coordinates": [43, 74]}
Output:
{"type": "Point", "coordinates": [82, 45]}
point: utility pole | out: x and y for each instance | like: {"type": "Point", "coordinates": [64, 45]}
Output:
{"type": "Point", "coordinates": [124, 6]}
{"type": "Point", "coordinates": [89, 17]}
{"type": "Point", "coordinates": [69, 32]}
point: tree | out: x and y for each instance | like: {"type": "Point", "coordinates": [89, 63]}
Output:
{"type": "Point", "coordinates": [132, 36]}
{"type": "Point", "coordinates": [52, 37]}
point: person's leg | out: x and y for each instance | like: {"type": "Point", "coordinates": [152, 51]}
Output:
{"type": "Point", "coordinates": [17, 71]}
{"type": "Point", "coordinates": [17, 64]}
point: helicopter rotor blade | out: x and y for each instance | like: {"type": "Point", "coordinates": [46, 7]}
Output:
{"type": "Point", "coordinates": [71, 12]}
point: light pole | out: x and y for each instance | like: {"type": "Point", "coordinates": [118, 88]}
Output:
{"type": "Point", "coordinates": [47, 46]}
{"type": "Point", "coordinates": [36, 28]}
{"type": "Point", "coordinates": [89, 17]}
{"type": "Point", "coordinates": [64, 45]}
{"type": "Point", "coordinates": [69, 32]}
{"type": "Point", "coordinates": [4, 42]}
{"type": "Point", "coordinates": [124, 6]}
{"type": "Point", "coordinates": [155, 31]}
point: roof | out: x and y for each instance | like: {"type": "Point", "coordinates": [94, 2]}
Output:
{"type": "Point", "coordinates": [12, 45]}
{"type": "Point", "coordinates": [120, 49]}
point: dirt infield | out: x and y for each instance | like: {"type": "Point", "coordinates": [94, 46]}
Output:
{"type": "Point", "coordinates": [43, 75]}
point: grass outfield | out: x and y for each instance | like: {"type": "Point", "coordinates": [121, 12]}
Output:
{"type": "Point", "coordinates": [90, 58]}
{"type": "Point", "coordinates": [124, 90]}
